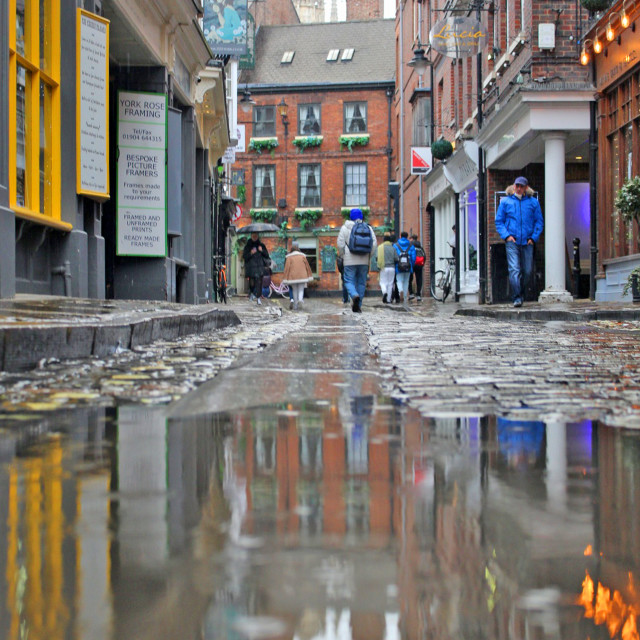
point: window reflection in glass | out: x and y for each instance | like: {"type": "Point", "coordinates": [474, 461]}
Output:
{"type": "Point", "coordinates": [45, 148]}
{"type": "Point", "coordinates": [21, 137]}
{"type": "Point", "coordinates": [355, 184]}
{"type": "Point", "coordinates": [20, 27]}
{"type": "Point", "coordinates": [264, 124]}
{"type": "Point", "coordinates": [309, 119]}
{"type": "Point", "coordinates": [355, 117]}
{"type": "Point", "coordinates": [265, 180]}
{"type": "Point", "coordinates": [309, 185]}
{"type": "Point", "coordinates": [45, 32]}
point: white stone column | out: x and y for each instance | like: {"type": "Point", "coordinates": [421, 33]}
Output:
{"type": "Point", "coordinates": [555, 263]}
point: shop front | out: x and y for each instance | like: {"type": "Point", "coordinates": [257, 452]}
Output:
{"type": "Point", "coordinates": [617, 71]}
{"type": "Point", "coordinates": [542, 133]}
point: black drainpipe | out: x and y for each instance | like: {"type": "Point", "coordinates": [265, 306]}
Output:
{"type": "Point", "coordinates": [390, 92]}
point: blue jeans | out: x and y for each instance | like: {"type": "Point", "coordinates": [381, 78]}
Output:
{"type": "Point", "coordinates": [355, 279]}
{"type": "Point", "coordinates": [520, 263]}
{"type": "Point", "coordinates": [402, 279]}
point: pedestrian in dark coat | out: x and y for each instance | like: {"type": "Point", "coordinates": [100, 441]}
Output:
{"type": "Point", "coordinates": [256, 258]}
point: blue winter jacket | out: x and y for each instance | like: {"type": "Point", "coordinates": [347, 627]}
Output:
{"type": "Point", "coordinates": [521, 219]}
{"type": "Point", "coordinates": [401, 246]}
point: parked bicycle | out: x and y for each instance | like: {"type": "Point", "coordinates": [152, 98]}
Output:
{"type": "Point", "coordinates": [281, 289]}
{"type": "Point", "coordinates": [219, 280]}
{"type": "Point", "coordinates": [442, 280]}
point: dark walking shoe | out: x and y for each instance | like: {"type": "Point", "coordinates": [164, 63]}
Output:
{"type": "Point", "coordinates": [355, 304]}
{"type": "Point", "coordinates": [384, 298]}
{"type": "Point", "coordinates": [517, 303]}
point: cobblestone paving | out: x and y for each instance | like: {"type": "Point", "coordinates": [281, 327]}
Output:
{"type": "Point", "coordinates": [152, 374]}
{"type": "Point", "coordinates": [454, 366]}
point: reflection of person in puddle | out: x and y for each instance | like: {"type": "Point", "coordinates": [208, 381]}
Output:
{"type": "Point", "coordinates": [520, 441]}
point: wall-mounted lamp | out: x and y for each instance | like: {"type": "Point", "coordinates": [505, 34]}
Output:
{"type": "Point", "coordinates": [419, 62]}
{"type": "Point", "coordinates": [246, 102]}
{"type": "Point", "coordinates": [494, 52]}
{"type": "Point", "coordinates": [610, 33]}
{"type": "Point", "coordinates": [597, 44]}
{"type": "Point", "coordinates": [584, 56]}
{"type": "Point", "coordinates": [283, 109]}
{"type": "Point", "coordinates": [624, 18]}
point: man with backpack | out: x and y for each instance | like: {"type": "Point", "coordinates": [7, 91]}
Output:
{"type": "Point", "coordinates": [416, 276]}
{"type": "Point", "coordinates": [356, 242]}
{"type": "Point", "coordinates": [404, 264]}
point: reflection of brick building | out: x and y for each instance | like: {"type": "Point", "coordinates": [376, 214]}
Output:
{"type": "Point", "coordinates": [335, 151]}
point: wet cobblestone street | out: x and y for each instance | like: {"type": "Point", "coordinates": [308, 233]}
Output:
{"type": "Point", "coordinates": [447, 365]}
{"type": "Point", "coordinates": [399, 474]}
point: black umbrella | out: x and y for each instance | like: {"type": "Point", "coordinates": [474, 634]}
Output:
{"type": "Point", "coordinates": [258, 227]}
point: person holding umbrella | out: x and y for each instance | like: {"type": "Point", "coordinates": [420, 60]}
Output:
{"type": "Point", "coordinates": [255, 257]}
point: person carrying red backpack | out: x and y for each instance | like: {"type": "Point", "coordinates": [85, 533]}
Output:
{"type": "Point", "coordinates": [415, 291]}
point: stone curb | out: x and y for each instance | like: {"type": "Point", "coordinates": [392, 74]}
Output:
{"type": "Point", "coordinates": [22, 348]}
{"type": "Point", "coordinates": [551, 315]}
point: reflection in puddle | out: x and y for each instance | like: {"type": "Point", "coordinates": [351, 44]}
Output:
{"type": "Point", "coordinates": [335, 520]}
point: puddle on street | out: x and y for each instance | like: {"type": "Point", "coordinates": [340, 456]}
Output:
{"type": "Point", "coordinates": [341, 518]}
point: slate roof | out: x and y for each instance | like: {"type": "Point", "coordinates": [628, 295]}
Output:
{"type": "Point", "coordinates": [373, 59]}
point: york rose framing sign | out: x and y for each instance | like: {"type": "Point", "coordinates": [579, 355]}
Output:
{"type": "Point", "coordinates": [457, 37]}
{"type": "Point", "coordinates": [142, 174]}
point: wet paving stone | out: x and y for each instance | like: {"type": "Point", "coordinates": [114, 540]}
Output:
{"type": "Point", "coordinates": [153, 374]}
{"type": "Point", "coordinates": [558, 368]}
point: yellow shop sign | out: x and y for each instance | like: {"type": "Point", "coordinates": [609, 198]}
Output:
{"type": "Point", "coordinates": [457, 37]}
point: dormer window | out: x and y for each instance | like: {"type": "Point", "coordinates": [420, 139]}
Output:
{"type": "Point", "coordinates": [332, 56]}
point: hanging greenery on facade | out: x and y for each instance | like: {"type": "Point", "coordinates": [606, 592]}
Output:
{"type": "Point", "coordinates": [307, 217]}
{"type": "Point", "coordinates": [305, 142]}
{"type": "Point", "coordinates": [263, 215]}
{"type": "Point", "coordinates": [595, 5]}
{"type": "Point", "coordinates": [441, 149]}
{"type": "Point", "coordinates": [350, 141]}
{"type": "Point", "coordinates": [263, 144]}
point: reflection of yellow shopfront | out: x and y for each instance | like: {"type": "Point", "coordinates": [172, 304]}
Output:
{"type": "Point", "coordinates": [617, 70]}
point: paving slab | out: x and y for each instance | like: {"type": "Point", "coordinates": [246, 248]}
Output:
{"type": "Point", "coordinates": [37, 328]}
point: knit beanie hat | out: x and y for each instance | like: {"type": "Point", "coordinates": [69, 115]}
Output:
{"type": "Point", "coordinates": [356, 214]}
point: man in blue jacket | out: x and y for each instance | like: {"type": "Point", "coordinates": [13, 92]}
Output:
{"type": "Point", "coordinates": [519, 223]}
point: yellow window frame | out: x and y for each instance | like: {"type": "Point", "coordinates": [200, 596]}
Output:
{"type": "Point", "coordinates": [48, 211]}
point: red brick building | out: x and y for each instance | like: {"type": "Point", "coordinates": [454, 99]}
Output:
{"type": "Point", "coordinates": [332, 150]}
{"type": "Point", "coordinates": [534, 110]}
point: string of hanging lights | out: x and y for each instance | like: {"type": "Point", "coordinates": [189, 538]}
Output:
{"type": "Point", "coordinates": [616, 18]}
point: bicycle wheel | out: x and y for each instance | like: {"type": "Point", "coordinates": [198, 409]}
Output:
{"type": "Point", "coordinates": [437, 285]}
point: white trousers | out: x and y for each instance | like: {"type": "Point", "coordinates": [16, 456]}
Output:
{"type": "Point", "coordinates": [298, 291]}
{"type": "Point", "coordinates": [386, 280]}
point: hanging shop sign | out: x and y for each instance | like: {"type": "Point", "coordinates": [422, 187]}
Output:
{"type": "Point", "coordinates": [225, 26]}
{"type": "Point", "coordinates": [421, 161]}
{"type": "Point", "coordinates": [458, 37]}
{"type": "Point", "coordinates": [92, 105]}
{"type": "Point", "coordinates": [142, 174]}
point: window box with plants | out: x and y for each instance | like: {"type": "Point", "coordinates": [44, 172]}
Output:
{"type": "Point", "coordinates": [351, 140]}
{"type": "Point", "coordinates": [263, 144]}
{"type": "Point", "coordinates": [306, 142]}
{"type": "Point", "coordinates": [307, 216]}
{"type": "Point", "coordinates": [263, 214]}
{"type": "Point", "coordinates": [627, 202]}
{"type": "Point", "coordinates": [346, 211]}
